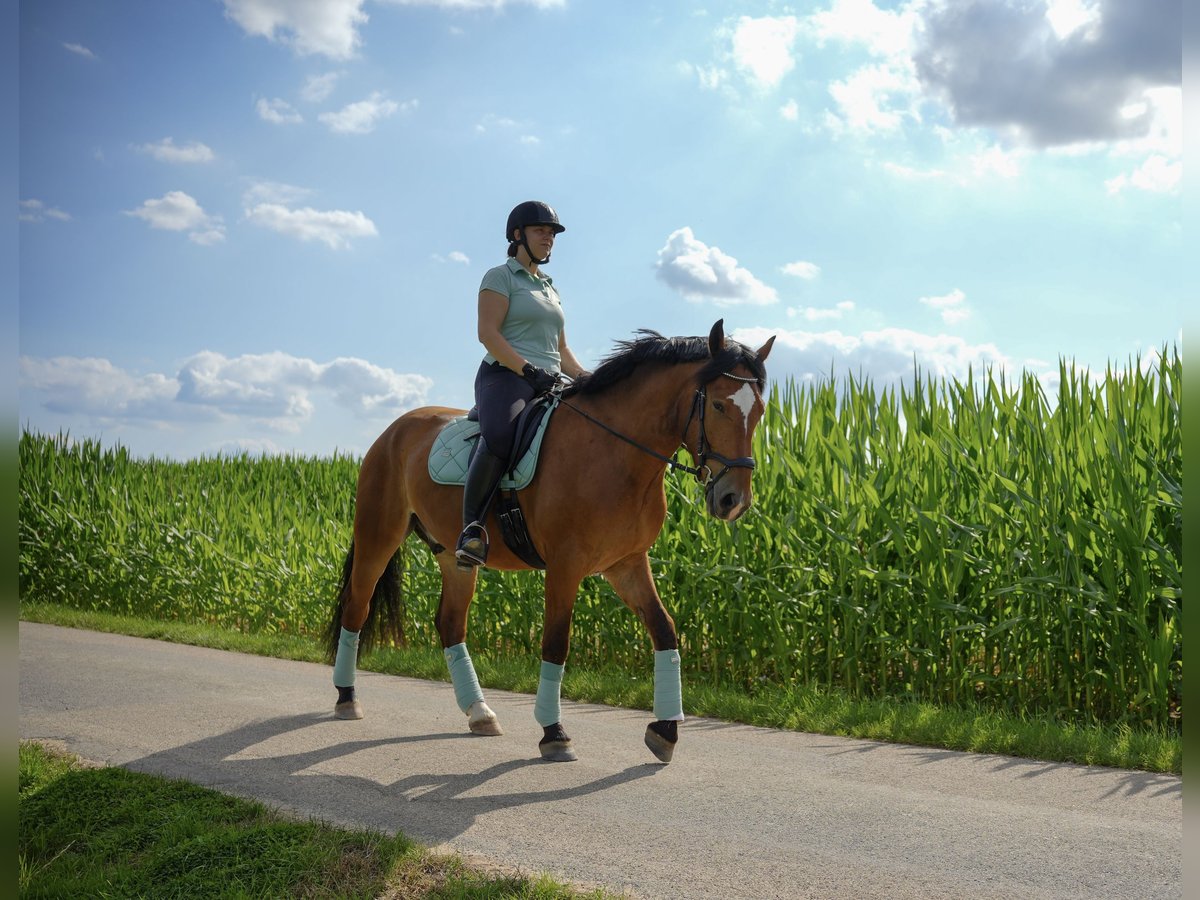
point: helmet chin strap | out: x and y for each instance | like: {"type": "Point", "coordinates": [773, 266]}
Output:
{"type": "Point", "coordinates": [525, 244]}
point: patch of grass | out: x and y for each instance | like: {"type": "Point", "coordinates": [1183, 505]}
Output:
{"type": "Point", "coordinates": [104, 832]}
{"type": "Point", "coordinates": [796, 707]}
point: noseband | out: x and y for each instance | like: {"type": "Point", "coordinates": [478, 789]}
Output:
{"type": "Point", "coordinates": [702, 470]}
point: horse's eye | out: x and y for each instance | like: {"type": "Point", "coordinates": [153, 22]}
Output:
{"type": "Point", "coordinates": [719, 406]}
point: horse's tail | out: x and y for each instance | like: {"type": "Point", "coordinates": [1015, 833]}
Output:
{"type": "Point", "coordinates": [385, 615]}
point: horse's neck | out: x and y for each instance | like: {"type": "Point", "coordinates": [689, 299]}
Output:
{"type": "Point", "coordinates": [651, 407]}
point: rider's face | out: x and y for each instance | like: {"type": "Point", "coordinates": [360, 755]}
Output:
{"type": "Point", "coordinates": [540, 239]}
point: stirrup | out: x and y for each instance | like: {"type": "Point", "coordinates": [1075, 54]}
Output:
{"type": "Point", "coordinates": [472, 549]}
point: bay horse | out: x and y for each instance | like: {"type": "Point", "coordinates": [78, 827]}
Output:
{"type": "Point", "coordinates": [595, 506]}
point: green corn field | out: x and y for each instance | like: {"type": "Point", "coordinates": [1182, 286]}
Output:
{"type": "Point", "coordinates": [944, 540]}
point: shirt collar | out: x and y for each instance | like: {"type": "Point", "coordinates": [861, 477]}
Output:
{"type": "Point", "coordinates": [514, 265]}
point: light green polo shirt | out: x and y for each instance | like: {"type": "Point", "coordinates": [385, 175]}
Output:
{"type": "Point", "coordinates": [535, 317]}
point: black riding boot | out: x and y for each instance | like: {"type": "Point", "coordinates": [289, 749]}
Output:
{"type": "Point", "coordinates": [482, 478]}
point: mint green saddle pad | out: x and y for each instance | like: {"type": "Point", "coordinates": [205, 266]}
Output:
{"type": "Point", "coordinates": [451, 454]}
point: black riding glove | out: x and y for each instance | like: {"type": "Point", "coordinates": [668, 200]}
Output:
{"type": "Point", "coordinates": [541, 380]}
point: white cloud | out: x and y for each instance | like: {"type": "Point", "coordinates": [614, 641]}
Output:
{"type": "Point", "coordinates": [700, 273]}
{"type": "Point", "coordinates": [80, 50]}
{"type": "Point", "coordinates": [801, 269]}
{"type": "Point", "coordinates": [492, 121]}
{"type": "Point", "coordinates": [96, 387]}
{"type": "Point", "coordinates": [323, 27]}
{"type": "Point", "coordinates": [1163, 106]}
{"type": "Point", "coordinates": [763, 47]}
{"type": "Point", "coordinates": [970, 159]}
{"type": "Point", "coordinates": [1157, 175]}
{"type": "Point", "coordinates": [526, 132]}
{"type": "Point", "coordinates": [1069, 16]}
{"type": "Point", "coordinates": [454, 256]}
{"type": "Point", "coordinates": [277, 112]}
{"type": "Point", "coordinates": [790, 111]}
{"type": "Point", "coordinates": [1050, 75]}
{"type": "Point", "coordinates": [206, 237]}
{"type": "Point", "coordinates": [951, 306]}
{"type": "Point", "coordinates": [884, 356]}
{"type": "Point", "coordinates": [335, 227]}
{"type": "Point", "coordinates": [883, 33]}
{"type": "Point", "coordinates": [997, 161]}
{"type": "Point", "coordinates": [363, 116]}
{"type": "Point", "coordinates": [273, 192]}
{"type": "Point", "coordinates": [33, 210]}
{"type": "Point", "coordinates": [711, 78]}
{"type": "Point", "coordinates": [318, 87]}
{"type": "Point", "coordinates": [874, 98]}
{"type": "Point", "coordinates": [275, 389]}
{"type": "Point", "coordinates": [167, 151]}
{"type": "Point", "coordinates": [177, 211]}
{"type": "Point", "coordinates": [817, 314]}
{"type": "Point", "coordinates": [1073, 75]}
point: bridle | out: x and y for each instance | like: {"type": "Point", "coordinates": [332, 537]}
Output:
{"type": "Point", "coordinates": [703, 448]}
{"type": "Point", "coordinates": [702, 471]}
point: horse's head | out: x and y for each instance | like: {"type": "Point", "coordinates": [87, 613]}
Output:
{"type": "Point", "coordinates": [726, 409]}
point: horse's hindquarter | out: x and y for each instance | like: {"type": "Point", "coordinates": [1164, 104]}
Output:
{"type": "Point", "coordinates": [393, 481]}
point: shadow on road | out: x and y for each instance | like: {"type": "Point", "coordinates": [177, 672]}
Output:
{"type": "Point", "coordinates": [431, 805]}
{"type": "Point", "coordinates": [1129, 783]}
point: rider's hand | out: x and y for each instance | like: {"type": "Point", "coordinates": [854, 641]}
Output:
{"type": "Point", "coordinates": [539, 378]}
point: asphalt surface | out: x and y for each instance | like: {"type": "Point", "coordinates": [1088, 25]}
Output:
{"type": "Point", "coordinates": [740, 812]}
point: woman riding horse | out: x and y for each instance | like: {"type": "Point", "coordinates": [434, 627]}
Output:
{"type": "Point", "coordinates": [595, 506]}
{"type": "Point", "coordinates": [521, 327]}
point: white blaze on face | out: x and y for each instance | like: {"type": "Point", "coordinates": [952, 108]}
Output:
{"type": "Point", "coordinates": [744, 399]}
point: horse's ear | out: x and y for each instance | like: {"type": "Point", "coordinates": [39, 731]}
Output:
{"type": "Point", "coordinates": [716, 338]}
{"type": "Point", "coordinates": [764, 351]}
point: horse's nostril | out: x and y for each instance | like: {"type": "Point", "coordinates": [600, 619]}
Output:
{"type": "Point", "coordinates": [728, 501]}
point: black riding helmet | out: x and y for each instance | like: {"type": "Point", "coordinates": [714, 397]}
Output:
{"type": "Point", "coordinates": [531, 212]}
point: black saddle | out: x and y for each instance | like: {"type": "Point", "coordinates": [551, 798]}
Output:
{"type": "Point", "coordinates": [508, 508]}
{"type": "Point", "coordinates": [526, 429]}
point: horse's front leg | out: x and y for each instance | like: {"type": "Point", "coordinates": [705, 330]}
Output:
{"type": "Point", "coordinates": [458, 587]}
{"type": "Point", "coordinates": [561, 590]}
{"type": "Point", "coordinates": [634, 584]}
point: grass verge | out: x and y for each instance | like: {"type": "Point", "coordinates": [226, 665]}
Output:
{"type": "Point", "coordinates": [794, 707]}
{"type": "Point", "coordinates": [107, 832]}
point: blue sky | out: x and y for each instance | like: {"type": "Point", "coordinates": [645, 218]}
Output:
{"type": "Point", "coordinates": [261, 224]}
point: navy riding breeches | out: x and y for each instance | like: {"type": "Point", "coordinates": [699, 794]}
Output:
{"type": "Point", "coordinates": [500, 394]}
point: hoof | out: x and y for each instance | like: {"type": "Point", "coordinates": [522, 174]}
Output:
{"type": "Point", "coordinates": [556, 746]}
{"type": "Point", "coordinates": [661, 738]}
{"type": "Point", "coordinates": [350, 709]}
{"type": "Point", "coordinates": [481, 720]}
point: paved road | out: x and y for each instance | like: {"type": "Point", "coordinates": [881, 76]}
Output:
{"type": "Point", "coordinates": [741, 812]}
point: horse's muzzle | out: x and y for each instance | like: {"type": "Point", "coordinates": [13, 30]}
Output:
{"type": "Point", "coordinates": [725, 500]}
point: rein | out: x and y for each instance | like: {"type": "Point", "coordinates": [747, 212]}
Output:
{"type": "Point", "coordinates": [702, 471]}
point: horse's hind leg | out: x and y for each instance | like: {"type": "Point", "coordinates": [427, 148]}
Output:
{"type": "Point", "coordinates": [634, 584]}
{"type": "Point", "coordinates": [458, 587]}
{"type": "Point", "coordinates": [371, 581]}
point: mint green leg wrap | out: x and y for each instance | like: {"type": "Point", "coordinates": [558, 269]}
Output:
{"type": "Point", "coordinates": [668, 692]}
{"type": "Point", "coordinates": [462, 675]}
{"type": "Point", "coordinates": [547, 709]}
{"type": "Point", "coordinates": [347, 659]}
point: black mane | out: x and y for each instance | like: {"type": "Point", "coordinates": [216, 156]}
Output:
{"type": "Point", "coordinates": [651, 347]}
